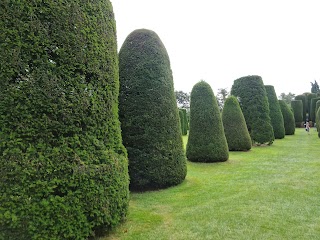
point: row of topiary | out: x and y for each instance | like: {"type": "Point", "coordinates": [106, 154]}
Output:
{"type": "Point", "coordinates": [64, 163]}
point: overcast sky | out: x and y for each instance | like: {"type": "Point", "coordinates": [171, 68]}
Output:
{"type": "Point", "coordinates": [220, 41]}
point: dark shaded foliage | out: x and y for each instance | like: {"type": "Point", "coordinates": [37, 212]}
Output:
{"type": "Point", "coordinates": [297, 107]}
{"type": "Point", "coordinates": [149, 114]}
{"type": "Point", "coordinates": [275, 113]}
{"type": "Point", "coordinates": [255, 107]}
{"type": "Point", "coordinates": [206, 141]}
{"type": "Point", "coordinates": [64, 170]}
{"type": "Point", "coordinates": [288, 118]}
{"type": "Point", "coordinates": [235, 127]}
{"type": "Point", "coordinates": [313, 108]}
{"type": "Point", "coordinates": [305, 108]}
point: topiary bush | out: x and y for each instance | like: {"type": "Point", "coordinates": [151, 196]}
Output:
{"type": "Point", "coordinates": [297, 107]}
{"type": "Point", "coordinates": [288, 118]}
{"type": "Point", "coordinates": [149, 114]}
{"type": "Point", "coordinates": [313, 109]}
{"type": "Point", "coordinates": [235, 127]}
{"type": "Point", "coordinates": [317, 120]}
{"type": "Point", "coordinates": [305, 110]}
{"type": "Point", "coordinates": [275, 113]}
{"type": "Point", "coordinates": [206, 140]}
{"type": "Point", "coordinates": [64, 170]}
{"type": "Point", "coordinates": [183, 121]}
{"type": "Point", "coordinates": [309, 97]}
{"type": "Point", "coordinates": [255, 107]}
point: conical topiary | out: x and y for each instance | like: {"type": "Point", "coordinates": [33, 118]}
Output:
{"type": "Point", "coordinates": [64, 170]}
{"type": "Point", "coordinates": [255, 107]}
{"type": "Point", "coordinates": [206, 141]}
{"type": "Point", "coordinates": [275, 113]}
{"type": "Point", "coordinates": [235, 127]}
{"type": "Point", "coordinates": [288, 118]}
{"type": "Point", "coordinates": [149, 114]}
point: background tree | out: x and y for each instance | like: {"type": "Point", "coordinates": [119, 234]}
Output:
{"type": "Point", "coordinates": [297, 107]}
{"type": "Point", "coordinates": [183, 99]}
{"type": "Point", "coordinates": [206, 141]}
{"type": "Point", "coordinates": [255, 107]}
{"type": "Point", "coordinates": [235, 127]}
{"type": "Point", "coordinates": [288, 118]}
{"type": "Point", "coordinates": [287, 98]}
{"type": "Point", "coordinates": [222, 96]}
{"type": "Point", "coordinates": [149, 114]}
{"type": "Point", "coordinates": [275, 113]}
{"type": "Point", "coordinates": [314, 87]}
{"type": "Point", "coordinates": [64, 170]}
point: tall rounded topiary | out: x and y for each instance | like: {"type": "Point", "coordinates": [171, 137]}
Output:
{"type": "Point", "coordinates": [288, 118]}
{"type": "Point", "coordinates": [255, 107]}
{"type": "Point", "coordinates": [149, 114]}
{"type": "Point", "coordinates": [318, 121]}
{"type": "Point", "coordinates": [317, 115]}
{"type": "Point", "coordinates": [235, 127]}
{"type": "Point", "coordinates": [182, 124]}
{"type": "Point", "coordinates": [297, 107]}
{"type": "Point", "coordinates": [64, 170]}
{"type": "Point", "coordinates": [275, 113]}
{"type": "Point", "coordinates": [304, 100]}
{"type": "Point", "coordinates": [313, 108]}
{"type": "Point", "coordinates": [309, 97]}
{"type": "Point", "coordinates": [185, 121]}
{"type": "Point", "coordinates": [206, 140]}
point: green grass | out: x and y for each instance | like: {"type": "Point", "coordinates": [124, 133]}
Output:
{"type": "Point", "coordinates": [269, 192]}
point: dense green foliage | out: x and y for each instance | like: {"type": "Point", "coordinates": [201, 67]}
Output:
{"type": "Point", "coordinates": [64, 170]}
{"type": "Point", "coordinates": [309, 97]}
{"type": "Point", "coordinates": [255, 107]}
{"type": "Point", "coordinates": [305, 111]}
{"type": "Point", "coordinates": [313, 108]}
{"type": "Point", "coordinates": [288, 118]}
{"type": "Point", "coordinates": [318, 117]}
{"type": "Point", "coordinates": [149, 114]}
{"type": "Point", "coordinates": [185, 121]}
{"type": "Point", "coordinates": [235, 127]}
{"type": "Point", "coordinates": [318, 121]}
{"type": "Point", "coordinates": [275, 113]}
{"type": "Point", "coordinates": [297, 107]}
{"type": "Point", "coordinates": [206, 141]}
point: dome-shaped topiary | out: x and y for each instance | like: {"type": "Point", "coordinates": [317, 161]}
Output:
{"type": "Point", "coordinates": [206, 140]}
{"type": "Point", "coordinates": [297, 107]}
{"type": "Point", "coordinates": [64, 170]}
{"type": "Point", "coordinates": [235, 127]}
{"type": "Point", "coordinates": [149, 114]}
{"type": "Point", "coordinates": [288, 118]}
{"type": "Point", "coordinates": [255, 107]}
{"type": "Point", "coordinates": [275, 113]}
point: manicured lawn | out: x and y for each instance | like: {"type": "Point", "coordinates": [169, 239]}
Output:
{"type": "Point", "coordinates": [267, 193]}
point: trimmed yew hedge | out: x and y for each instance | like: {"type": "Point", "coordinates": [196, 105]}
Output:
{"type": "Point", "coordinates": [183, 121]}
{"type": "Point", "coordinates": [288, 118]}
{"type": "Point", "coordinates": [275, 113]}
{"type": "Point", "coordinates": [297, 107]}
{"type": "Point", "coordinates": [64, 170]}
{"type": "Point", "coordinates": [255, 107]}
{"type": "Point", "coordinates": [313, 108]}
{"type": "Point", "coordinates": [206, 140]}
{"type": "Point", "coordinates": [149, 114]}
{"type": "Point", "coordinates": [305, 108]}
{"type": "Point", "coordinates": [235, 127]}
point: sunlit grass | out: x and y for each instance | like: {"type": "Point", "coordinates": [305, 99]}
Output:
{"type": "Point", "coordinates": [267, 193]}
